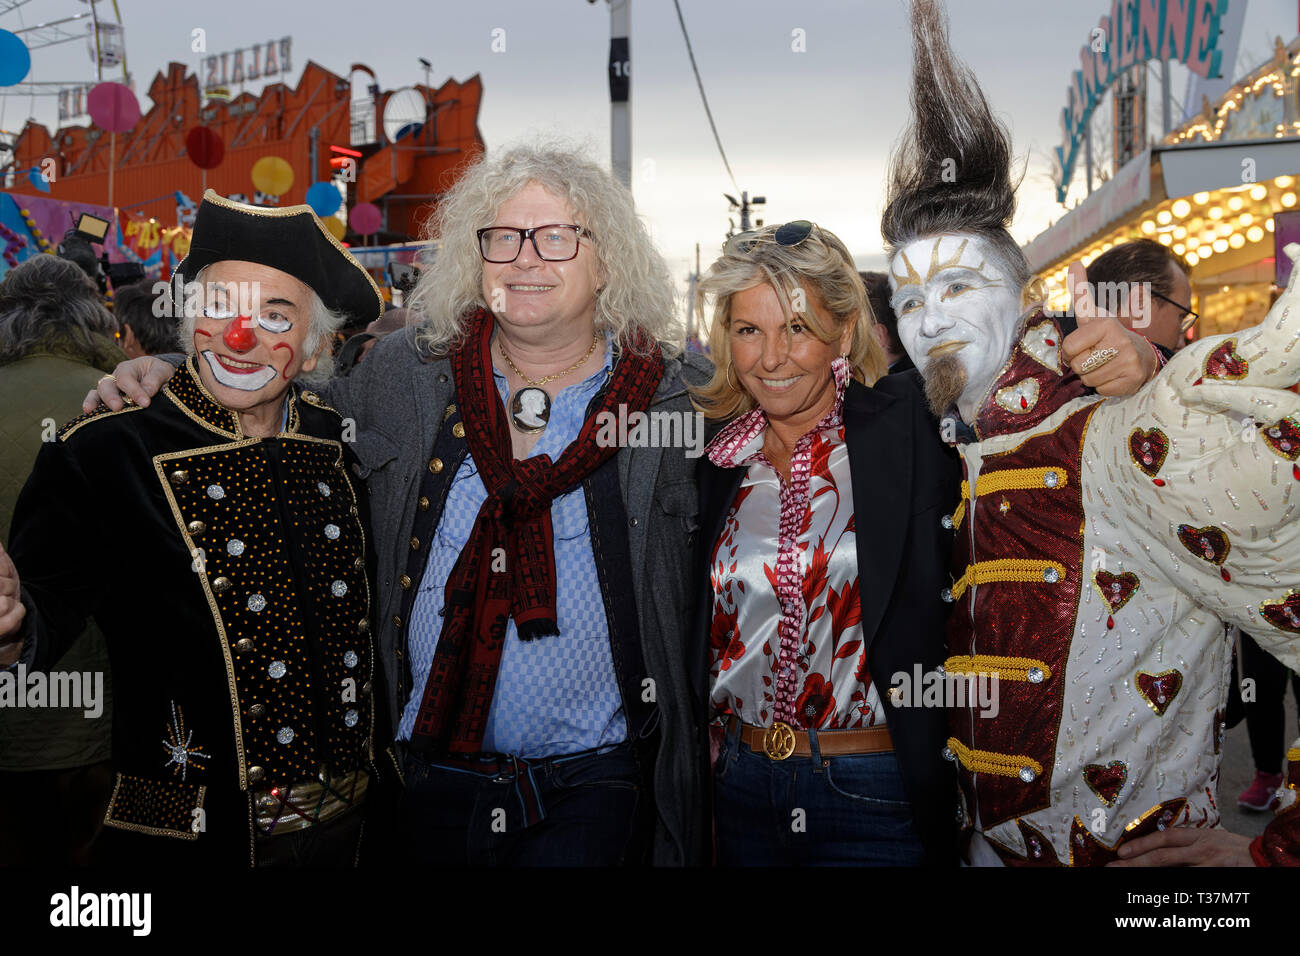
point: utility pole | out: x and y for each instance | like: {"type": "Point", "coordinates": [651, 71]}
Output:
{"type": "Point", "coordinates": [620, 89]}
{"type": "Point", "coordinates": [745, 205]}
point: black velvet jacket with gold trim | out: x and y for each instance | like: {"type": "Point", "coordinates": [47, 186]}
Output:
{"type": "Point", "coordinates": [229, 575]}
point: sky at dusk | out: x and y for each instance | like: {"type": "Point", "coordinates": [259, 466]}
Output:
{"type": "Point", "coordinates": [811, 130]}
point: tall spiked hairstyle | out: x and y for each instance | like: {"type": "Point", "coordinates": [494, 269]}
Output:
{"type": "Point", "coordinates": [951, 171]}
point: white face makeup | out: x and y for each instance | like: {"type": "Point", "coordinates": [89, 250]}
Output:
{"type": "Point", "coordinates": [952, 297]}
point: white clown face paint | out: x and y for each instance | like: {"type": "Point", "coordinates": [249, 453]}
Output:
{"type": "Point", "coordinates": [252, 335]}
{"type": "Point", "coordinates": [952, 297]}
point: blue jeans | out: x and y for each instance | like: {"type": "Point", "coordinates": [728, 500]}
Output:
{"type": "Point", "coordinates": [581, 810]}
{"type": "Point", "coordinates": [811, 811]}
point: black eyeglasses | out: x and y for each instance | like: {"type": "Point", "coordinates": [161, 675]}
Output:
{"type": "Point", "coordinates": [1188, 318]}
{"type": "Point", "coordinates": [557, 242]}
{"type": "Point", "coordinates": [787, 234]}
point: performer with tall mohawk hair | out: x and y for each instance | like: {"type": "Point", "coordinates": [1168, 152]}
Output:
{"type": "Point", "coordinates": [1100, 542]}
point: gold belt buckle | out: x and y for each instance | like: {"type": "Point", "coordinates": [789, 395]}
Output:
{"type": "Point", "coordinates": [778, 741]}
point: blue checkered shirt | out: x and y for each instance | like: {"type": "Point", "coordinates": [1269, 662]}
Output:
{"type": "Point", "coordinates": [556, 695]}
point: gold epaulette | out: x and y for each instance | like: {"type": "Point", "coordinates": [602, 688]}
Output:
{"type": "Point", "coordinates": [102, 412]}
{"type": "Point", "coordinates": [315, 401]}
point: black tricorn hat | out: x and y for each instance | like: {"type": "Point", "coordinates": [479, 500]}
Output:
{"type": "Point", "coordinates": [291, 239]}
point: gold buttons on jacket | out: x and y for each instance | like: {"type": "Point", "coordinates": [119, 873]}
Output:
{"type": "Point", "coordinates": [424, 503]}
{"type": "Point", "coordinates": [458, 430]}
{"type": "Point", "coordinates": [397, 621]}
{"type": "Point", "coordinates": [221, 585]}
{"type": "Point", "coordinates": [256, 774]}
{"type": "Point", "coordinates": [435, 465]}
{"type": "Point", "coordinates": [415, 544]}
{"type": "Point", "coordinates": [179, 476]}
{"type": "Point", "coordinates": [404, 581]}
{"type": "Point", "coordinates": [196, 527]}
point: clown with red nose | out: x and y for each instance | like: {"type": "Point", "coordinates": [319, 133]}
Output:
{"type": "Point", "coordinates": [271, 297]}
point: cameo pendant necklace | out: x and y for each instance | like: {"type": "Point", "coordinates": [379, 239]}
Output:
{"type": "Point", "coordinates": [530, 408]}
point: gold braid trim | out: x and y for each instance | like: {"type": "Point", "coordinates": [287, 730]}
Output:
{"type": "Point", "coordinates": [1293, 754]}
{"type": "Point", "coordinates": [1008, 479]}
{"type": "Point", "coordinates": [1022, 570]}
{"type": "Point", "coordinates": [1007, 668]}
{"type": "Point", "coordinates": [985, 761]}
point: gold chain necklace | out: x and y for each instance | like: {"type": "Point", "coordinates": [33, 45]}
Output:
{"type": "Point", "coordinates": [595, 340]}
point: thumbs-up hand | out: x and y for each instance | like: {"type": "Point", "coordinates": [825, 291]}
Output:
{"type": "Point", "coordinates": [1107, 357]}
{"type": "Point", "coordinates": [12, 611]}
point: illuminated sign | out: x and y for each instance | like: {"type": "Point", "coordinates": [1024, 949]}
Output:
{"type": "Point", "coordinates": [1136, 31]}
{"type": "Point", "coordinates": [256, 62]}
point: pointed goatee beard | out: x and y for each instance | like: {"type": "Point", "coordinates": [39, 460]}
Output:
{"type": "Point", "coordinates": [945, 380]}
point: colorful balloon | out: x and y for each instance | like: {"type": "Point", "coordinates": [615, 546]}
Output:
{"type": "Point", "coordinates": [272, 175]}
{"type": "Point", "coordinates": [15, 60]}
{"type": "Point", "coordinates": [113, 107]}
{"type": "Point", "coordinates": [324, 199]}
{"type": "Point", "coordinates": [204, 147]}
{"type": "Point", "coordinates": [365, 218]}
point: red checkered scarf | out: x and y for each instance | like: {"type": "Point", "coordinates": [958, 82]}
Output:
{"type": "Point", "coordinates": [507, 567]}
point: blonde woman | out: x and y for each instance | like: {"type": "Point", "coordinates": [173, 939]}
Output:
{"type": "Point", "coordinates": [821, 505]}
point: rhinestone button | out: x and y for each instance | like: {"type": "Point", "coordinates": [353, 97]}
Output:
{"type": "Point", "coordinates": [1051, 575]}
{"type": "Point", "coordinates": [332, 532]}
{"type": "Point", "coordinates": [947, 523]}
{"type": "Point", "coordinates": [1051, 479]}
{"type": "Point", "coordinates": [946, 595]}
{"type": "Point", "coordinates": [221, 585]}
{"type": "Point", "coordinates": [244, 645]}
{"type": "Point", "coordinates": [256, 603]}
{"type": "Point", "coordinates": [277, 670]}
{"type": "Point", "coordinates": [179, 477]}
{"type": "Point", "coordinates": [351, 717]}
{"type": "Point", "coordinates": [1034, 675]}
{"type": "Point", "coordinates": [197, 527]}
{"type": "Point", "coordinates": [256, 774]}
{"type": "Point", "coordinates": [235, 546]}
{"type": "Point", "coordinates": [349, 658]}
{"type": "Point", "coordinates": [323, 488]}
{"type": "Point", "coordinates": [339, 588]}
{"type": "Point", "coordinates": [257, 710]}
{"type": "Point", "coordinates": [1027, 774]}
{"type": "Point", "coordinates": [284, 735]}
{"type": "Point", "coordinates": [948, 754]}
{"type": "Point", "coordinates": [216, 492]}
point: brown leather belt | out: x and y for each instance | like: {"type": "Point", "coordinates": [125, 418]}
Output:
{"type": "Point", "coordinates": [781, 740]}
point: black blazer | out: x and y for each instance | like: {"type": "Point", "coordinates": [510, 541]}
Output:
{"type": "Point", "coordinates": [904, 481]}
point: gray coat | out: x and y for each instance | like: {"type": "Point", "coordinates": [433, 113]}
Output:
{"type": "Point", "coordinates": [398, 400]}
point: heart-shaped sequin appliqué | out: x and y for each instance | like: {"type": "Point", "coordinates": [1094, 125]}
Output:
{"type": "Point", "coordinates": [1019, 398]}
{"type": "Point", "coordinates": [1159, 689]}
{"type": "Point", "coordinates": [1284, 438]}
{"type": "Point", "coordinates": [1283, 614]}
{"type": "Point", "coordinates": [1149, 449]}
{"type": "Point", "coordinates": [1107, 780]}
{"type": "Point", "coordinates": [1224, 363]}
{"type": "Point", "coordinates": [1042, 343]}
{"type": "Point", "coordinates": [1115, 590]}
{"type": "Point", "coordinates": [1208, 543]}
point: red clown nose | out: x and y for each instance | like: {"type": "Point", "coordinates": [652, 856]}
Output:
{"type": "Point", "coordinates": [239, 336]}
